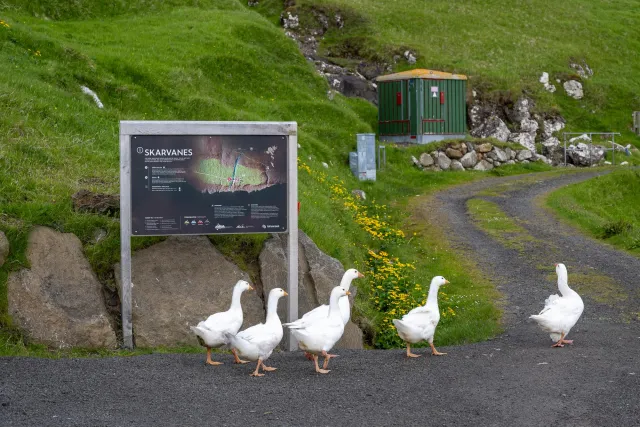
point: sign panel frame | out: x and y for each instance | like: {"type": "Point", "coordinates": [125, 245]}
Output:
{"type": "Point", "coordinates": [129, 129]}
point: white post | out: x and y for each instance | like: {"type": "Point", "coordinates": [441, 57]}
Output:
{"type": "Point", "coordinates": [292, 270]}
{"type": "Point", "coordinates": [125, 240]}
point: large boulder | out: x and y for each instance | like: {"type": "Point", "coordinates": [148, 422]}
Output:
{"type": "Point", "coordinates": [583, 69]}
{"type": "Point", "coordinates": [4, 248]}
{"type": "Point", "coordinates": [318, 274]}
{"type": "Point", "coordinates": [426, 160]}
{"type": "Point", "coordinates": [443, 161]}
{"type": "Point", "coordinates": [483, 165]}
{"type": "Point", "coordinates": [544, 79]}
{"type": "Point", "coordinates": [551, 126]}
{"type": "Point", "coordinates": [179, 282]}
{"type": "Point", "coordinates": [573, 89]}
{"type": "Point", "coordinates": [454, 153]}
{"type": "Point", "coordinates": [555, 154]}
{"type": "Point", "coordinates": [525, 139]}
{"type": "Point", "coordinates": [529, 126]}
{"type": "Point", "coordinates": [469, 160]}
{"type": "Point", "coordinates": [456, 166]}
{"type": "Point", "coordinates": [524, 155]}
{"type": "Point", "coordinates": [511, 154]}
{"type": "Point", "coordinates": [492, 127]}
{"type": "Point", "coordinates": [58, 301]}
{"type": "Point", "coordinates": [521, 110]}
{"type": "Point", "coordinates": [484, 148]}
{"type": "Point", "coordinates": [585, 155]}
{"type": "Point", "coordinates": [549, 145]}
{"type": "Point", "coordinates": [498, 154]}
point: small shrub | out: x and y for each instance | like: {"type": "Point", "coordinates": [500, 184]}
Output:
{"type": "Point", "coordinates": [614, 228]}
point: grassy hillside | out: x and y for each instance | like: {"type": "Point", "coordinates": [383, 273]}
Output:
{"type": "Point", "coordinates": [216, 61]}
{"type": "Point", "coordinates": [503, 48]}
{"type": "Point", "coordinates": [605, 207]}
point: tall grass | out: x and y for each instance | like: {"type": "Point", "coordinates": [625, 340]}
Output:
{"type": "Point", "coordinates": [606, 207]}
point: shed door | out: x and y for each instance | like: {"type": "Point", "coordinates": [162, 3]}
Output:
{"type": "Point", "coordinates": [434, 107]}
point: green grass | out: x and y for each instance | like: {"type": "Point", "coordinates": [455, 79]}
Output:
{"type": "Point", "coordinates": [197, 60]}
{"type": "Point", "coordinates": [492, 220]}
{"type": "Point", "coordinates": [605, 207]}
{"type": "Point", "coordinates": [487, 41]}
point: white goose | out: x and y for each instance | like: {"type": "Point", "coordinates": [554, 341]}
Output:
{"type": "Point", "coordinates": [323, 310]}
{"type": "Point", "coordinates": [211, 332]}
{"type": "Point", "coordinates": [560, 313]}
{"type": "Point", "coordinates": [420, 323]}
{"type": "Point", "coordinates": [258, 342]}
{"type": "Point", "coordinates": [320, 336]}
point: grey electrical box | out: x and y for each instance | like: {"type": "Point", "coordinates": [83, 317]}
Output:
{"type": "Point", "coordinates": [363, 162]}
{"type": "Point", "coordinates": [636, 122]}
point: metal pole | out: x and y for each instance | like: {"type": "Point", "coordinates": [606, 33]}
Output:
{"type": "Point", "coordinates": [590, 145]}
{"type": "Point", "coordinates": [565, 149]}
{"type": "Point", "coordinates": [292, 300]}
{"type": "Point", "coordinates": [385, 155]}
{"type": "Point", "coordinates": [125, 240]}
{"type": "Point", "coordinates": [613, 151]}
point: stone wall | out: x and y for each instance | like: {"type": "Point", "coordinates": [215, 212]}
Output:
{"type": "Point", "coordinates": [460, 156]}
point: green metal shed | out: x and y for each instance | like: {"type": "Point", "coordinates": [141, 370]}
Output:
{"type": "Point", "coordinates": [422, 106]}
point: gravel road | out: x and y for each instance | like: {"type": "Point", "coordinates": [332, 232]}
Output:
{"type": "Point", "coordinates": [513, 380]}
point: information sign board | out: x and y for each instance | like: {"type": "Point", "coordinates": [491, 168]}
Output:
{"type": "Point", "coordinates": [207, 178]}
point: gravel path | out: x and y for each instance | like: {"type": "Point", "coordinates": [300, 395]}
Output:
{"type": "Point", "coordinates": [513, 380]}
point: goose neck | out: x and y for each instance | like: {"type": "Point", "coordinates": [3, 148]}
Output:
{"type": "Point", "coordinates": [272, 308]}
{"type": "Point", "coordinates": [334, 306]}
{"type": "Point", "coordinates": [235, 299]}
{"type": "Point", "coordinates": [432, 298]}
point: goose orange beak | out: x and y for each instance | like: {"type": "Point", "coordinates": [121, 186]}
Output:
{"type": "Point", "coordinates": [286, 294]}
{"type": "Point", "coordinates": [446, 281]}
{"type": "Point", "coordinates": [250, 287]}
{"type": "Point", "coordinates": [360, 274]}
{"type": "Point", "coordinates": [348, 293]}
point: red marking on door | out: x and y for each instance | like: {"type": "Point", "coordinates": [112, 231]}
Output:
{"type": "Point", "coordinates": [398, 98]}
{"type": "Point", "coordinates": [441, 97]}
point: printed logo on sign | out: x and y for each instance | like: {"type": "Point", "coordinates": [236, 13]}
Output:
{"type": "Point", "coordinates": [220, 227]}
{"type": "Point", "coordinates": [273, 226]}
{"type": "Point", "coordinates": [140, 150]}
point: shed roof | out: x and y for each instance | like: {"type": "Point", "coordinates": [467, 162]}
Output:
{"type": "Point", "coordinates": [421, 73]}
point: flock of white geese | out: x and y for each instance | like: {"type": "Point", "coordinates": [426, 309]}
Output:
{"type": "Point", "coordinates": [321, 328]}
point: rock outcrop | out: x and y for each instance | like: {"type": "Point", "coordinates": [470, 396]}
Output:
{"type": "Point", "coordinates": [179, 282]}
{"type": "Point", "coordinates": [573, 89]}
{"type": "Point", "coordinates": [58, 301]}
{"type": "Point", "coordinates": [318, 274]}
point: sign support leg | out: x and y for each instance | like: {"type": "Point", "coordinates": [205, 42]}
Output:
{"type": "Point", "coordinates": [125, 241]}
{"type": "Point", "coordinates": [292, 258]}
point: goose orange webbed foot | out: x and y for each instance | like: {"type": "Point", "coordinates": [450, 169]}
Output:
{"type": "Point", "coordinates": [209, 361]}
{"type": "Point", "coordinates": [434, 351]}
{"type": "Point", "coordinates": [409, 353]}
{"type": "Point", "coordinates": [318, 370]}
{"type": "Point", "coordinates": [237, 360]}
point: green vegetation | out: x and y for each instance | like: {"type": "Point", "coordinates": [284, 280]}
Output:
{"type": "Point", "coordinates": [490, 218]}
{"type": "Point", "coordinates": [606, 207]}
{"type": "Point", "coordinates": [219, 60]}
{"type": "Point", "coordinates": [504, 50]}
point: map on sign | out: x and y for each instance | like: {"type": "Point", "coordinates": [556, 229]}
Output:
{"type": "Point", "coordinates": [185, 184]}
